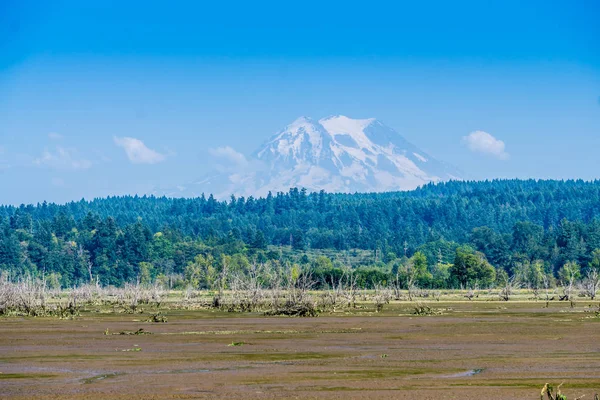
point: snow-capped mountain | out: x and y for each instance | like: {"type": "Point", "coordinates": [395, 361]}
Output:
{"type": "Point", "coordinates": [337, 154]}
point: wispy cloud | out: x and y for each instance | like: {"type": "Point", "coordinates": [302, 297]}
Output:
{"type": "Point", "coordinates": [62, 158]}
{"type": "Point", "coordinates": [235, 164]}
{"type": "Point", "coordinates": [229, 154]}
{"type": "Point", "coordinates": [484, 143]}
{"type": "Point", "coordinates": [137, 152]}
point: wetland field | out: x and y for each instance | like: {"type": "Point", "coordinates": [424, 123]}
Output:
{"type": "Point", "coordinates": [456, 349]}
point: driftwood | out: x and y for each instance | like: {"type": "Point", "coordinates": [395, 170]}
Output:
{"type": "Point", "coordinates": [294, 310]}
{"type": "Point", "coordinates": [551, 394]}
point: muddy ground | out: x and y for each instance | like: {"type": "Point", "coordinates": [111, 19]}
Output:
{"type": "Point", "coordinates": [474, 350]}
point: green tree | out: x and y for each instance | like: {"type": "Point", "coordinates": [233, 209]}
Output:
{"type": "Point", "coordinates": [145, 273]}
{"type": "Point", "coordinates": [441, 275]}
{"type": "Point", "coordinates": [201, 273]}
{"type": "Point", "coordinates": [322, 264]}
{"type": "Point", "coordinates": [530, 274]}
{"type": "Point", "coordinates": [419, 268]}
{"type": "Point", "coordinates": [298, 240]}
{"type": "Point", "coordinates": [413, 271]}
{"type": "Point", "coordinates": [259, 240]}
{"type": "Point", "coordinates": [568, 275]}
{"type": "Point", "coordinates": [471, 268]}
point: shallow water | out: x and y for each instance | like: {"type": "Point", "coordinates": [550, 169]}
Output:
{"type": "Point", "coordinates": [471, 372]}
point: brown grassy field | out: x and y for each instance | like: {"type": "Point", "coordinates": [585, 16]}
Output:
{"type": "Point", "coordinates": [472, 350]}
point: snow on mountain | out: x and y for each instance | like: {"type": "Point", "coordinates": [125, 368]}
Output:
{"type": "Point", "coordinates": [336, 154]}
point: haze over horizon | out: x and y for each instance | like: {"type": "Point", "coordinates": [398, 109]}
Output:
{"type": "Point", "coordinates": [101, 99]}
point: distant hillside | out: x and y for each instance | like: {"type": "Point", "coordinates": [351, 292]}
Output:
{"type": "Point", "coordinates": [363, 220]}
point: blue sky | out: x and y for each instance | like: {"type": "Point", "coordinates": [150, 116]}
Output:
{"type": "Point", "coordinates": [75, 79]}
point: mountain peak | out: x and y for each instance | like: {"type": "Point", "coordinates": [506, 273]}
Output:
{"type": "Point", "coordinates": [301, 121]}
{"type": "Point", "coordinates": [336, 154]}
{"type": "Point", "coordinates": [343, 124]}
{"type": "Point", "coordinates": [344, 118]}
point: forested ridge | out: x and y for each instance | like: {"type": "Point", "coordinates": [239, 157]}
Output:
{"type": "Point", "coordinates": [506, 224]}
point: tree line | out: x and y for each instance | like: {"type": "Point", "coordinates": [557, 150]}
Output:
{"type": "Point", "coordinates": [455, 234]}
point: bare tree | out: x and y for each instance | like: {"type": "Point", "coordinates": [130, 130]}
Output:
{"type": "Point", "coordinates": [351, 289]}
{"type": "Point", "coordinates": [568, 275]}
{"type": "Point", "coordinates": [221, 282]}
{"type": "Point", "coordinates": [335, 291]}
{"type": "Point", "coordinates": [381, 297]}
{"type": "Point", "coordinates": [472, 292]}
{"type": "Point", "coordinates": [591, 282]}
{"type": "Point", "coordinates": [26, 296]}
{"type": "Point", "coordinates": [246, 291]}
{"type": "Point", "coordinates": [546, 282]}
{"type": "Point", "coordinates": [397, 285]}
{"type": "Point", "coordinates": [509, 285]}
{"type": "Point", "coordinates": [592, 279]}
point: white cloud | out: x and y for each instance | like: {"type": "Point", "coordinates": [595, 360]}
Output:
{"type": "Point", "coordinates": [137, 152]}
{"type": "Point", "coordinates": [229, 154]}
{"type": "Point", "coordinates": [483, 142]}
{"type": "Point", "coordinates": [62, 158]}
{"type": "Point", "coordinates": [55, 136]}
{"type": "Point", "coordinates": [234, 163]}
